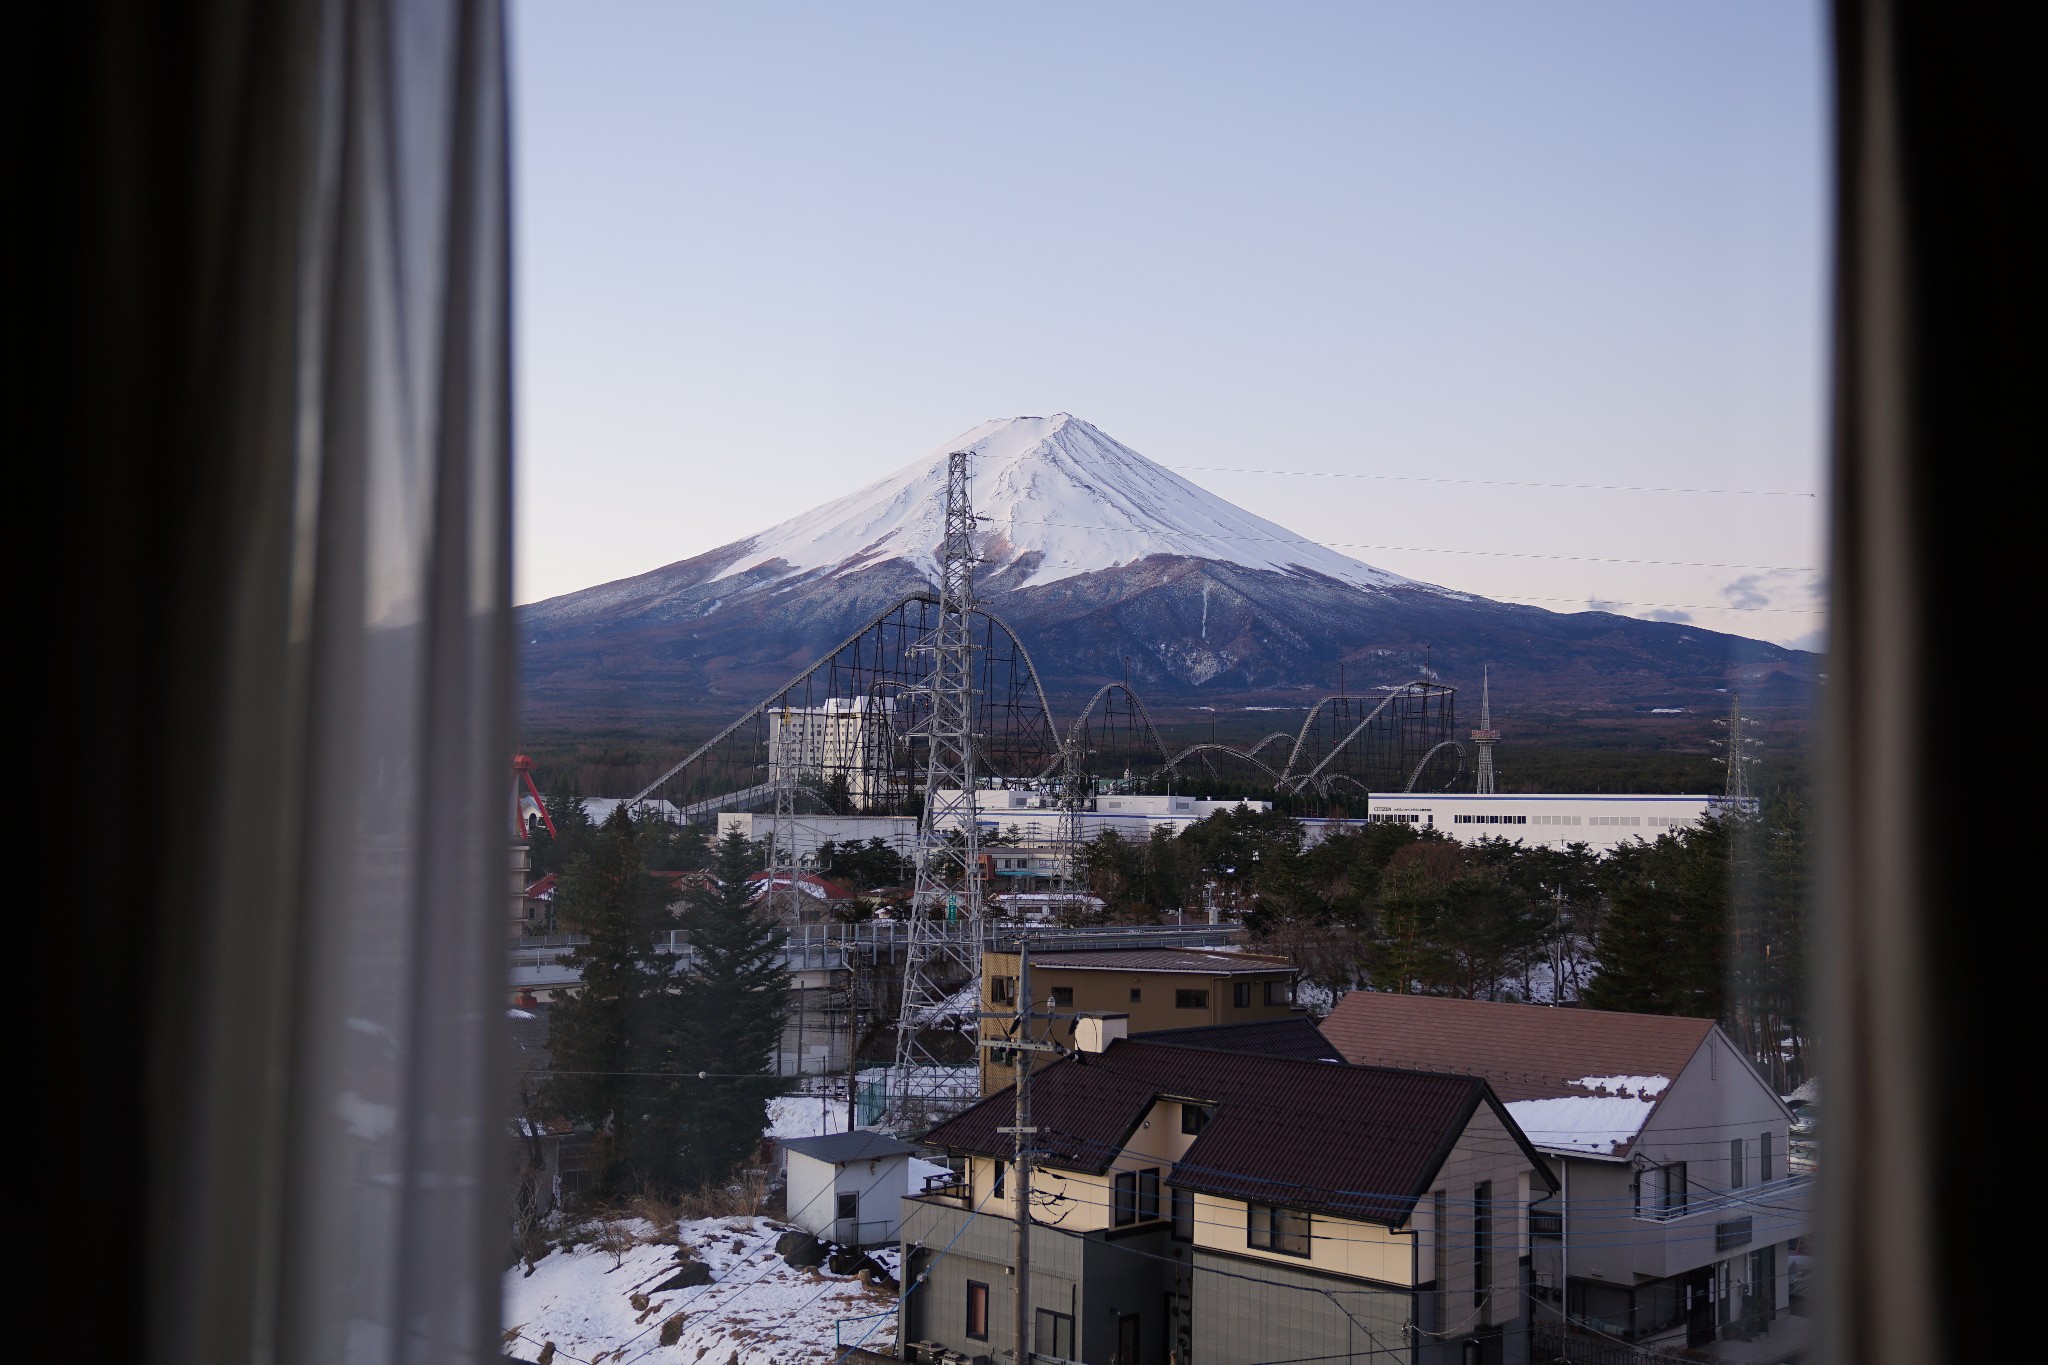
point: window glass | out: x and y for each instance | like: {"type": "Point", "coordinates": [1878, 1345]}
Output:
{"type": "Point", "coordinates": [1126, 1198]}
{"type": "Point", "coordinates": [1183, 1215]}
{"type": "Point", "coordinates": [1190, 1000]}
{"type": "Point", "coordinates": [1148, 1193]}
{"type": "Point", "coordinates": [977, 1310]}
{"type": "Point", "coordinates": [1193, 1119]}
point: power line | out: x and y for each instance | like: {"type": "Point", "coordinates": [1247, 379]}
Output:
{"type": "Point", "coordinates": [1499, 483]}
{"type": "Point", "coordinates": [1428, 549]}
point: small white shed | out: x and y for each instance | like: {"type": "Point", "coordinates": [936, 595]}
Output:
{"type": "Point", "coordinates": [848, 1187]}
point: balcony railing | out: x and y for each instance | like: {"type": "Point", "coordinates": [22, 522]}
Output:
{"type": "Point", "coordinates": [1766, 1198]}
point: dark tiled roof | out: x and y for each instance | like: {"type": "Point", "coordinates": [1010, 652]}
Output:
{"type": "Point", "coordinates": [1294, 1037]}
{"type": "Point", "coordinates": [843, 1147]}
{"type": "Point", "coordinates": [1163, 960]}
{"type": "Point", "coordinates": [1358, 1142]}
{"type": "Point", "coordinates": [1526, 1052]}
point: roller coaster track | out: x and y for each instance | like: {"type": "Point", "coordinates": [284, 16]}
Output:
{"type": "Point", "coordinates": [824, 660]}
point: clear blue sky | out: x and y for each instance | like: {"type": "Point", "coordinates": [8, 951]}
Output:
{"type": "Point", "coordinates": [768, 252]}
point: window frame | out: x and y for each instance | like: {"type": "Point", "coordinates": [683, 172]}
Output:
{"type": "Point", "coordinates": [1264, 1230]}
{"type": "Point", "coordinates": [1240, 995]}
{"type": "Point", "coordinates": [1148, 1195]}
{"type": "Point", "coordinates": [1279, 993]}
{"type": "Point", "coordinates": [1181, 1214]}
{"type": "Point", "coordinates": [1764, 1154]}
{"type": "Point", "coordinates": [1063, 995]}
{"type": "Point", "coordinates": [1060, 1324]}
{"type": "Point", "coordinates": [977, 1296]}
{"type": "Point", "coordinates": [1190, 998]}
{"type": "Point", "coordinates": [1737, 1165]}
{"type": "Point", "coordinates": [1193, 1118]}
{"type": "Point", "coordinates": [840, 1201]}
{"type": "Point", "coordinates": [1123, 1199]}
{"type": "Point", "coordinates": [1482, 1241]}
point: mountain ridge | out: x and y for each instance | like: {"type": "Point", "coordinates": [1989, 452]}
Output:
{"type": "Point", "coordinates": [1110, 566]}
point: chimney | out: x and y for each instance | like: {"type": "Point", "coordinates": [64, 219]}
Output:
{"type": "Point", "coordinates": [1095, 1032]}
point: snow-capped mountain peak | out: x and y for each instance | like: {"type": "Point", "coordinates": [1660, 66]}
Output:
{"type": "Point", "coordinates": [1058, 497]}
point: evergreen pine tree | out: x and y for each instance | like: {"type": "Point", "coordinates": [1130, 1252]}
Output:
{"type": "Point", "coordinates": [736, 994]}
{"type": "Point", "coordinates": [605, 1039]}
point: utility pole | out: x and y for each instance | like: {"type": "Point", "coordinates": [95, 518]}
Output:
{"type": "Point", "coordinates": [1021, 1045]}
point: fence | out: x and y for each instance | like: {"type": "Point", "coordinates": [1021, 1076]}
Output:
{"type": "Point", "coordinates": [1550, 1344]}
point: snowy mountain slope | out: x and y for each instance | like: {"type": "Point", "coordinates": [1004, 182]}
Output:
{"type": "Point", "coordinates": [1060, 498]}
{"type": "Point", "coordinates": [1110, 567]}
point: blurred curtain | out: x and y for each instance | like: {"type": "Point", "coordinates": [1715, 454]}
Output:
{"type": "Point", "coordinates": [268, 281]}
{"type": "Point", "coordinates": [1939, 363]}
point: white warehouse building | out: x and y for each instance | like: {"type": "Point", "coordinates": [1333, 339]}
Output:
{"type": "Point", "coordinates": [1538, 819]}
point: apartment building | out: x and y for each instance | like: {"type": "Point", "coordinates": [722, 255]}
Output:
{"type": "Point", "coordinates": [1199, 1207]}
{"type": "Point", "coordinates": [1677, 1214]}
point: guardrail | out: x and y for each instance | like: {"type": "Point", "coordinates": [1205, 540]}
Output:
{"type": "Point", "coordinates": [1746, 1199]}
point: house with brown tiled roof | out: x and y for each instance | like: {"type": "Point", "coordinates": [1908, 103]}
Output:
{"type": "Point", "coordinates": [1678, 1214]}
{"type": "Point", "coordinates": [1195, 1206]}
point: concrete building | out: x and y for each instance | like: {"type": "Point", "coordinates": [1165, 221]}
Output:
{"type": "Point", "coordinates": [814, 745]}
{"type": "Point", "coordinates": [847, 1187]}
{"type": "Point", "coordinates": [1551, 820]}
{"type": "Point", "coordinates": [1679, 1214]}
{"type": "Point", "coordinates": [1203, 1207]}
{"type": "Point", "coordinates": [1154, 988]}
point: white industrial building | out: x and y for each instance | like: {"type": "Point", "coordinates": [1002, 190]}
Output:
{"type": "Point", "coordinates": [1553, 820]}
{"type": "Point", "coordinates": [848, 1187]}
{"type": "Point", "coordinates": [1548, 819]}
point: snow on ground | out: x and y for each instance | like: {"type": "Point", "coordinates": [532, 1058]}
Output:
{"type": "Point", "coordinates": [796, 1116]}
{"type": "Point", "coordinates": [756, 1311]}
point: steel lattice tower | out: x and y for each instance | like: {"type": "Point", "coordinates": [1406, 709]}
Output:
{"type": "Point", "coordinates": [1485, 737]}
{"type": "Point", "coordinates": [945, 908]}
{"type": "Point", "coordinates": [1739, 757]}
{"type": "Point", "coordinates": [784, 900]}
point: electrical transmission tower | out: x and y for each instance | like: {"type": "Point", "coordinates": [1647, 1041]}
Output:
{"type": "Point", "coordinates": [1738, 757]}
{"type": "Point", "coordinates": [1485, 737]}
{"type": "Point", "coordinates": [943, 955]}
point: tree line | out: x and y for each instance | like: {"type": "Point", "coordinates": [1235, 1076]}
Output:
{"type": "Point", "coordinates": [1707, 921]}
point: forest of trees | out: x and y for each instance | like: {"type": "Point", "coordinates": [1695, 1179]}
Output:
{"type": "Point", "coordinates": [1706, 921]}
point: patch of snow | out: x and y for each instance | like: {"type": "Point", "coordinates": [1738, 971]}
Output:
{"type": "Point", "coordinates": [519, 1014]}
{"type": "Point", "coordinates": [1595, 1125]}
{"type": "Point", "coordinates": [756, 1307]}
{"type": "Point", "coordinates": [1052, 487]}
{"type": "Point", "coordinates": [1648, 1086]}
{"type": "Point", "coordinates": [1807, 1093]}
{"type": "Point", "coordinates": [800, 1116]}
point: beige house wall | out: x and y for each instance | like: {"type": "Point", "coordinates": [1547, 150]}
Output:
{"type": "Point", "coordinates": [1107, 991]}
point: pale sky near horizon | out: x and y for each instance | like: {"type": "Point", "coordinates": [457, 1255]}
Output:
{"type": "Point", "coordinates": [768, 253]}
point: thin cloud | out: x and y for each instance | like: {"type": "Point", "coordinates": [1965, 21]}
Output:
{"type": "Point", "coordinates": [1667, 614]}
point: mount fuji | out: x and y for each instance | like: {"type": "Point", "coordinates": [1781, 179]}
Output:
{"type": "Point", "coordinates": [1109, 566]}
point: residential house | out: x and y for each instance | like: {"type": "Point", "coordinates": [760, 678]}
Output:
{"type": "Point", "coordinates": [1156, 988]}
{"type": "Point", "coordinates": [1192, 1206]}
{"type": "Point", "coordinates": [847, 1187]}
{"type": "Point", "coordinates": [1679, 1213]}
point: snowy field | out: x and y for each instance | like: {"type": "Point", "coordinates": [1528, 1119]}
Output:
{"type": "Point", "coordinates": [757, 1310]}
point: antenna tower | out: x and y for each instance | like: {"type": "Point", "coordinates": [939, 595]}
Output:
{"type": "Point", "coordinates": [1485, 737]}
{"type": "Point", "coordinates": [944, 952]}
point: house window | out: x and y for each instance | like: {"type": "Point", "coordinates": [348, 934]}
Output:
{"type": "Point", "coordinates": [1274, 1229]}
{"type": "Point", "coordinates": [1193, 1119]}
{"type": "Point", "coordinates": [1126, 1210]}
{"type": "Point", "coordinates": [1675, 1190]}
{"type": "Point", "coordinates": [1055, 1334]}
{"type": "Point", "coordinates": [1191, 1000]}
{"type": "Point", "coordinates": [1279, 992]}
{"type": "Point", "coordinates": [1482, 1241]}
{"type": "Point", "coordinates": [977, 1310]}
{"type": "Point", "coordinates": [1765, 1167]}
{"type": "Point", "coordinates": [1183, 1216]}
{"type": "Point", "coordinates": [1440, 1241]}
{"type": "Point", "coordinates": [849, 1207]}
{"type": "Point", "coordinates": [1241, 994]}
{"type": "Point", "coordinates": [1137, 996]}
{"type": "Point", "coordinates": [1735, 1180]}
{"type": "Point", "coordinates": [1003, 990]}
{"type": "Point", "coordinates": [1063, 995]}
{"type": "Point", "coordinates": [1002, 1177]}
{"type": "Point", "coordinates": [1148, 1194]}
